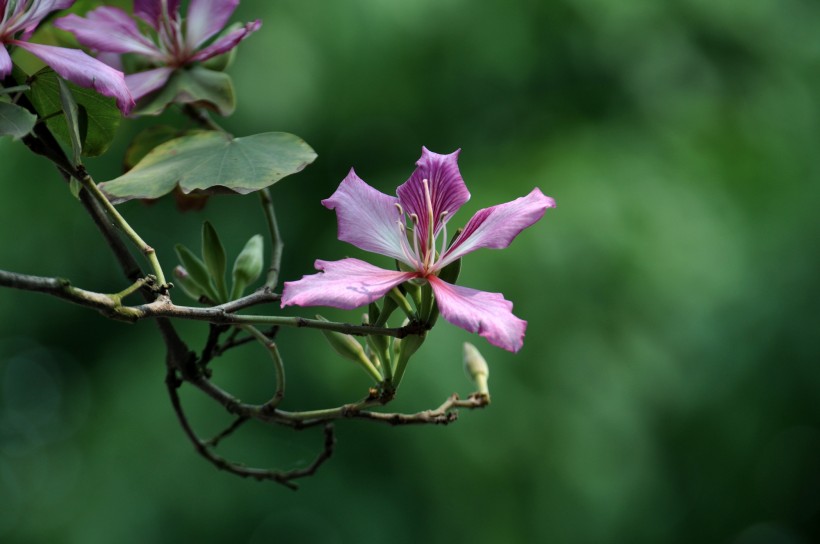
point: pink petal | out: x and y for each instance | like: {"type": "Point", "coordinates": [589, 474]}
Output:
{"type": "Point", "coordinates": [5, 62]}
{"type": "Point", "coordinates": [367, 218]}
{"type": "Point", "coordinates": [345, 284]}
{"type": "Point", "coordinates": [109, 29]}
{"type": "Point", "coordinates": [143, 83]}
{"type": "Point", "coordinates": [227, 42]}
{"type": "Point", "coordinates": [488, 314]}
{"type": "Point", "coordinates": [206, 18]}
{"type": "Point", "coordinates": [497, 226]}
{"type": "Point", "coordinates": [111, 59]}
{"type": "Point", "coordinates": [85, 71]}
{"type": "Point", "coordinates": [33, 14]}
{"type": "Point", "coordinates": [151, 11]}
{"type": "Point", "coordinates": [447, 190]}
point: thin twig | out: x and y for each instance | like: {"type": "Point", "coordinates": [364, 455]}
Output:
{"type": "Point", "coordinates": [232, 342]}
{"type": "Point", "coordinates": [278, 367]}
{"type": "Point", "coordinates": [285, 478]}
{"type": "Point", "coordinates": [164, 307]}
{"type": "Point", "coordinates": [238, 422]}
{"type": "Point", "coordinates": [443, 415]}
{"type": "Point", "coordinates": [277, 246]}
{"type": "Point", "coordinates": [149, 252]}
{"type": "Point", "coordinates": [211, 344]}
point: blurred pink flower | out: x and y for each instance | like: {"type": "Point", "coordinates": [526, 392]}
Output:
{"type": "Point", "coordinates": [19, 19]}
{"type": "Point", "coordinates": [170, 45]}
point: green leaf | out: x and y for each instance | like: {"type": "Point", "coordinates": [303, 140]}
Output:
{"type": "Point", "coordinates": [213, 253]}
{"type": "Point", "coordinates": [98, 116]}
{"type": "Point", "coordinates": [248, 266]}
{"type": "Point", "coordinates": [15, 121]}
{"type": "Point", "coordinates": [213, 161]}
{"type": "Point", "coordinates": [197, 271]}
{"type": "Point", "coordinates": [199, 86]}
{"type": "Point", "coordinates": [71, 112]}
{"type": "Point", "coordinates": [148, 139]}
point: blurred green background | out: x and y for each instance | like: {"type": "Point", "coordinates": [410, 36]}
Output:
{"type": "Point", "coordinates": [667, 389]}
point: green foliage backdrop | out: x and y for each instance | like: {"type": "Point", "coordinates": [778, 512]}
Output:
{"type": "Point", "coordinates": [667, 389]}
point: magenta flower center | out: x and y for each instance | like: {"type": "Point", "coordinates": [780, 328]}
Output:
{"type": "Point", "coordinates": [422, 256]}
{"type": "Point", "coordinates": [170, 40]}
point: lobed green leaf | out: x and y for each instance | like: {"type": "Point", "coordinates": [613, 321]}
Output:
{"type": "Point", "coordinates": [212, 162]}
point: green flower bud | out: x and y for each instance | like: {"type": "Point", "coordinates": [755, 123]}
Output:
{"type": "Point", "coordinates": [409, 345]}
{"type": "Point", "coordinates": [187, 284]}
{"type": "Point", "coordinates": [197, 272]}
{"type": "Point", "coordinates": [349, 348]}
{"type": "Point", "coordinates": [476, 368]}
{"type": "Point", "coordinates": [248, 265]}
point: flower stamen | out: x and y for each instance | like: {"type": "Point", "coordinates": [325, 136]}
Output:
{"type": "Point", "coordinates": [405, 246]}
{"type": "Point", "coordinates": [443, 215]}
{"type": "Point", "coordinates": [430, 242]}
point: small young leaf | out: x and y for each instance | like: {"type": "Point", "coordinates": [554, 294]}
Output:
{"type": "Point", "coordinates": [14, 89]}
{"type": "Point", "coordinates": [197, 272]}
{"type": "Point", "coordinates": [248, 266]}
{"type": "Point", "coordinates": [212, 161]}
{"type": "Point", "coordinates": [213, 253]}
{"type": "Point", "coordinates": [15, 121]}
{"type": "Point", "coordinates": [71, 112]}
{"type": "Point", "coordinates": [75, 187]}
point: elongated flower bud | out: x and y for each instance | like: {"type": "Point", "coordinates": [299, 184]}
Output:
{"type": "Point", "coordinates": [349, 348]}
{"type": "Point", "coordinates": [248, 265]}
{"type": "Point", "coordinates": [476, 368]}
{"type": "Point", "coordinates": [408, 346]}
{"type": "Point", "coordinates": [187, 284]}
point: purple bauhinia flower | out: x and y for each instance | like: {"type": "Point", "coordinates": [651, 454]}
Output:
{"type": "Point", "coordinates": [19, 19]}
{"type": "Point", "coordinates": [169, 45]}
{"type": "Point", "coordinates": [377, 222]}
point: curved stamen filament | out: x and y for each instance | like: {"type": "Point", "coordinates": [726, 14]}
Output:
{"type": "Point", "coordinates": [442, 218]}
{"type": "Point", "coordinates": [430, 242]}
{"type": "Point", "coordinates": [405, 247]}
{"type": "Point", "coordinates": [415, 220]}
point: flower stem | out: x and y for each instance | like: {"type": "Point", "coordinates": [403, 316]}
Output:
{"type": "Point", "coordinates": [278, 365]}
{"type": "Point", "coordinates": [339, 411]}
{"type": "Point", "coordinates": [120, 221]}
{"type": "Point", "coordinates": [408, 347]}
{"type": "Point", "coordinates": [275, 239]}
{"type": "Point", "coordinates": [133, 288]}
{"type": "Point", "coordinates": [396, 295]}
